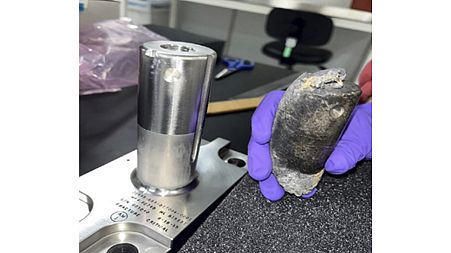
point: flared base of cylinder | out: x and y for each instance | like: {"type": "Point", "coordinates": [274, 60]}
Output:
{"type": "Point", "coordinates": [162, 191]}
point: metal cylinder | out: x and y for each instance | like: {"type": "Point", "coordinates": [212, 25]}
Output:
{"type": "Point", "coordinates": [174, 83]}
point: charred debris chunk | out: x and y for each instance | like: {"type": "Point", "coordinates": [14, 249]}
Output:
{"type": "Point", "coordinates": [309, 121]}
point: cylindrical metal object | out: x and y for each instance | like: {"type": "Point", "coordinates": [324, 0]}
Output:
{"type": "Point", "coordinates": [174, 83]}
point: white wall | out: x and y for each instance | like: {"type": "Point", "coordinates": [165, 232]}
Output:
{"type": "Point", "coordinates": [98, 10]}
{"type": "Point", "coordinates": [146, 12]}
{"type": "Point", "coordinates": [350, 48]}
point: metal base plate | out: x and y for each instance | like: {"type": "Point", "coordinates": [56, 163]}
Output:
{"type": "Point", "coordinates": [114, 211]}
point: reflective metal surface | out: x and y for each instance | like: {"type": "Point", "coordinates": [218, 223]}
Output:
{"type": "Point", "coordinates": [122, 213]}
{"type": "Point", "coordinates": [174, 83]}
{"type": "Point", "coordinates": [174, 80]}
{"type": "Point", "coordinates": [164, 160]}
{"type": "Point", "coordinates": [85, 205]}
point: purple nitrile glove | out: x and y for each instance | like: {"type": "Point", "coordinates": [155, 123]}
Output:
{"type": "Point", "coordinates": [354, 145]}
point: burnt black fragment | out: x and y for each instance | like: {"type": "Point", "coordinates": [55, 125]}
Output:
{"type": "Point", "coordinates": [309, 121]}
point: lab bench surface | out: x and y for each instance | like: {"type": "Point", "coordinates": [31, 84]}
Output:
{"type": "Point", "coordinates": [336, 219]}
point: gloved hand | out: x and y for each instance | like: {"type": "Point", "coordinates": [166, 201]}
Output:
{"type": "Point", "coordinates": [353, 146]}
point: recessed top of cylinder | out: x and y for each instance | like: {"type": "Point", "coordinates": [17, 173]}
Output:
{"type": "Point", "coordinates": [176, 48]}
{"type": "Point", "coordinates": [172, 79]}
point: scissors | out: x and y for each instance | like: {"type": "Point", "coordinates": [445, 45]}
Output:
{"type": "Point", "coordinates": [234, 65]}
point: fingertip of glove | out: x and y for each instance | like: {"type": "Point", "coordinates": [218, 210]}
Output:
{"type": "Point", "coordinates": [310, 194]}
{"type": "Point", "coordinates": [337, 164]}
{"type": "Point", "coordinates": [271, 189]}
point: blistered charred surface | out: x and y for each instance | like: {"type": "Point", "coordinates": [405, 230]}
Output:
{"type": "Point", "coordinates": [308, 123]}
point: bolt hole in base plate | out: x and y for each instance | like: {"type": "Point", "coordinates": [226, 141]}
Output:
{"type": "Point", "coordinates": [123, 248]}
{"type": "Point", "coordinates": [237, 162]}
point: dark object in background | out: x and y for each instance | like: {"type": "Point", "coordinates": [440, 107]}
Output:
{"type": "Point", "coordinates": [309, 30]}
{"type": "Point", "coordinates": [309, 120]}
{"type": "Point", "coordinates": [179, 35]}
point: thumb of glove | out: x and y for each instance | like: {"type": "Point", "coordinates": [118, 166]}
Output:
{"type": "Point", "coordinates": [355, 144]}
{"type": "Point", "coordinates": [343, 158]}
